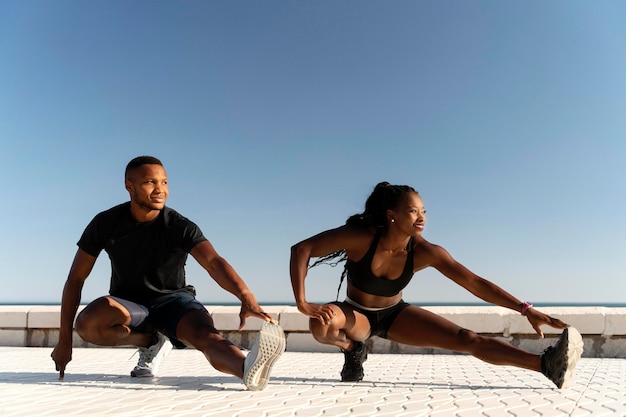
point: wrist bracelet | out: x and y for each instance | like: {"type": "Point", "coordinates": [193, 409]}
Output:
{"type": "Point", "coordinates": [525, 307]}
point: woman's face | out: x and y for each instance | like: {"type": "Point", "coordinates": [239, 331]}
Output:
{"type": "Point", "coordinates": [410, 215]}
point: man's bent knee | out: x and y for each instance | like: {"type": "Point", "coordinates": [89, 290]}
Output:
{"type": "Point", "coordinates": [87, 321]}
{"type": "Point", "coordinates": [87, 328]}
{"type": "Point", "coordinates": [98, 315]}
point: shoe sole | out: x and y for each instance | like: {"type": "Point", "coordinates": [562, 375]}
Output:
{"type": "Point", "coordinates": [353, 380]}
{"type": "Point", "coordinates": [575, 348]}
{"type": "Point", "coordinates": [141, 373]}
{"type": "Point", "coordinates": [269, 346]}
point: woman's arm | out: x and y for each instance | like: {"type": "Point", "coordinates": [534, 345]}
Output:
{"type": "Point", "coordinates": [441, 260]}
{"type": "Point", "coordinates": [341, 238]}
{"type": "Point", "coordinates": [480, 287]}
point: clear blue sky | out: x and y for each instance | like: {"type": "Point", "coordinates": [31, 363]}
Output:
{"type": "Point", "coordinates": [275, 120]}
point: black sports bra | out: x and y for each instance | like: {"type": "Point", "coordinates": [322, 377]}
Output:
{"type": "Point", "coordinates": [361, 276]}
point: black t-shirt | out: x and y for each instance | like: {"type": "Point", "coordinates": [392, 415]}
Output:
{"type": "Point", "coordinates": [147, 259]}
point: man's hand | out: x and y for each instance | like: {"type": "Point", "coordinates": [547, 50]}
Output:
{"type": "Point", "coordinates": [250, 307]}
{"type": "Point", "coordinates": [62, 355]}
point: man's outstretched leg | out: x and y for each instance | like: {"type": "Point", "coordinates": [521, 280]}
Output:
{"type": "Point", "coordinates": [269, 345]}
{"type": "Point", "coordinates": [196, 329]}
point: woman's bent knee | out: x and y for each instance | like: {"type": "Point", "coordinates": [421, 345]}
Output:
{"type": "Point", "coordinates": [317, 329]}
{"type": "Point", "coordinates": [322, 332]}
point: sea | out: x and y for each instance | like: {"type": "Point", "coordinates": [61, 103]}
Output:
{"type": "Point", "coordinates": [419, 303]}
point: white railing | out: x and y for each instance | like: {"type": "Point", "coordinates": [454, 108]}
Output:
{"type": "Point", "coordinates": [603, 328]}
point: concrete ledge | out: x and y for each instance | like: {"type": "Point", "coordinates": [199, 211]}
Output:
{"type": "Point", "coordinates": [603, 328]}
{"type": "Point", "coordinates": [12, 317]}
{"type": "Point", "coordinates": [44, 317]}
{"type": "Point", "coordinates": [13, 337]}
{"type": "Point", "coordinates": [615, 322]}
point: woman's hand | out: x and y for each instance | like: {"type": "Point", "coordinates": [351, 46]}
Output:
{"type": "Point", "coordinates": [538, 319]}
{"type": "Point", "coordinates": [322, 312]}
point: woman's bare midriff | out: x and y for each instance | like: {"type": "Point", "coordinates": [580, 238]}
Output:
{"type": "Point", "coordinates": [370, 300]}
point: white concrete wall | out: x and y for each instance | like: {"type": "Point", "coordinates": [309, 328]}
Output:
{"type": "Point", "coordinates": [603, 328]}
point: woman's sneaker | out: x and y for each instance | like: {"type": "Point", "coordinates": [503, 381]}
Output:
{"type": "Point", "coordinates": [558, 361]}
{"type": "Point", "coordinates": [353, 363]}
{"type": "Point", "coordinates": [267, 348]}
{"type": "Point", "coordinates": [150, 357]}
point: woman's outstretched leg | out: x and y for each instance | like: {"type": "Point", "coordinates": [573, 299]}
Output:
{"type": "Point", "coordinates": [418, 327]}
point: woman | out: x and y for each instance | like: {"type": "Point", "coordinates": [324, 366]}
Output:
{"type": "Point", "coordinates": [383, 247]}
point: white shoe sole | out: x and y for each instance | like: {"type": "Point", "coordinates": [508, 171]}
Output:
{"type": "Point", "coordinates": [270, 344]}
{"type": "Point", "coordinates": [575, 348]}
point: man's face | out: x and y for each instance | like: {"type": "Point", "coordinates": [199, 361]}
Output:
{"type": "Point", "coordinates": [147, 186]}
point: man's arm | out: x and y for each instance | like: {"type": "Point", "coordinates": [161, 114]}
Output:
{"type": "Point", "coordinates": [80, 270]}
{"type": "Point", "coordinates": [226, 276]}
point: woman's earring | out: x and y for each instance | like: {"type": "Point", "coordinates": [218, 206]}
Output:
{"type": "Point", "coordinates": [392, 220]}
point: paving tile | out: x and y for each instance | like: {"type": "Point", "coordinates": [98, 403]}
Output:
{"type": "Point", "coordinates": [97, 383]}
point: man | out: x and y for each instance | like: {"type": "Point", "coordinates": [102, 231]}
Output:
{"type": "Point", "coordinates": [149, 302]}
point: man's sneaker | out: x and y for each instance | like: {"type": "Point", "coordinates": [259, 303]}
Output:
{"type": "Point", "coordinates": [267, 348]}
{"type": "Point", "coordinates": [150, 357]}
{"type": "Point", "coordinates": [353, 363]}
{"type": "Point", "coordinates": [558, 361]}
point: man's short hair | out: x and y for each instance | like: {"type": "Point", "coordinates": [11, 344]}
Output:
{"type": "Point", "coordinates": [139, 161]}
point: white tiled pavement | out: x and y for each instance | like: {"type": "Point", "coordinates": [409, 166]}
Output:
{"type": "Point", "coordinates": [97, 383]}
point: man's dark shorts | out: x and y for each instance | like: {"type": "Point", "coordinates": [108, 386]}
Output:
{"type": "Point", "coordinates": [162, 314]}
{"type": "Point", "coordinates": [380, 320]}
